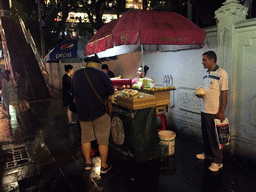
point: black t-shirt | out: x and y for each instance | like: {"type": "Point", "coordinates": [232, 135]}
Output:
{"type": "Point", "coordinates": [110, 74]}
{"type": "Point", "coordinates": [88, 105]}
{"type": "Point", "coordinates": [66, 90]}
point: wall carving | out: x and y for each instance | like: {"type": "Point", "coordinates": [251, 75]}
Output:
{"type": "Point", "coordinates": [188, 101]}
{"type": "Point", "coordinates": [223, 38]}
{"type": "Point", "coordinates": [253, 109]}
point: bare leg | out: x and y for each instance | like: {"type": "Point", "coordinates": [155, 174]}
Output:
{"type": "Point", "coordinates": [69, 114]}
{"type": "Point", "coordinates": [20, 106]}
{"type": "Point", "coordinates": [86, 148]}
{"type": "Point", "coordinates": [23, 105]}
{"type": "Point", "coordinates": [16, 108]}
{"type": "Point", "coordinates": [103, 149]}
{"type": "Point", "coordinates": [26, 103]}
{"type": "Point", "coordinates": [7, 109]}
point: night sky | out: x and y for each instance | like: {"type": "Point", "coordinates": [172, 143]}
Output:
{"type": "Point", "coordinates": [204, 12]}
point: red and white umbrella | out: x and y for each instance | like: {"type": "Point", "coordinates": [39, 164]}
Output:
{"type": "Point", "coordinates": [145, 31]}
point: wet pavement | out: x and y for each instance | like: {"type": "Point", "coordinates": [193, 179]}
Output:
{"type": "Point", "coordinates": [40, 152]}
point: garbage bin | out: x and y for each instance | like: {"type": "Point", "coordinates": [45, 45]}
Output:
{"type": "Point", "coordinates": [167, 142]}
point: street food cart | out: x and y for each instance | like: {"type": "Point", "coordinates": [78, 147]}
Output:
{"type": "Point", "coordinates": [133, 128]}
{"type": "Point", "coordinates": [134, 122]}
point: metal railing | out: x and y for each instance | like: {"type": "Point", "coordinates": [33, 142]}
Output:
{"type": "Point", "coordinates": [29, 40]}
{"type": "Point", "coordinates": [7, 57]}
{"type": "Point", "coordinates": [5, 48]}
{"type": "Point", "coordinates": [41, 64]}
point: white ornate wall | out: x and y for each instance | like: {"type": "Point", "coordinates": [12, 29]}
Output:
{"type": "Point", "coordinates": [56, 71]}
{"type": "Point", "coordinates": [187, 71]}
{"type": "Point", "coordinates": [245, 100]}
{"type": "Point", "coordinates": [126, 65]}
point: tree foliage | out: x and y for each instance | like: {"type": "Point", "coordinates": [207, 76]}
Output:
{"type": "Point", "coordinates": [55, 27]}
{"type": "Point", "coordinates": [27, 10]}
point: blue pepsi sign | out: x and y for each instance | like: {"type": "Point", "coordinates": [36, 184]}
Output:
{"type": "Point", "coordinates": [65, 50]}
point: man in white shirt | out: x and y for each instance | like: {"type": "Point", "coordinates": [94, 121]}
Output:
{"type": "Point", "coordinates": [213, 105]}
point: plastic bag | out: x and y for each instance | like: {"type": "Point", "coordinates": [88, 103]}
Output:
{"type": "Point", "coordinates": [222, 132]}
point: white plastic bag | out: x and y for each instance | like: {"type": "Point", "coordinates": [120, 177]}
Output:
{"type": "Point", "coordinates": [222, 132]}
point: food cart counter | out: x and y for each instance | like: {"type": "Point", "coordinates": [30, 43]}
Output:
{"type": "Point", "coordinates": [134, 132]}
{"type": "Point", "coordinates": [133, 127]}
{"type": "Point", "coordinates": [162, 95]}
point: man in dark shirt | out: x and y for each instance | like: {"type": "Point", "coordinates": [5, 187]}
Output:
{"type": "Point", "coordinates": [95, 123]}
{"type": "Point", "coordinates": [110, 74]}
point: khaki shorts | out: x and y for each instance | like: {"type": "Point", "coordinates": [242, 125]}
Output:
{"type": "Point", "coordinates": [98, 129]}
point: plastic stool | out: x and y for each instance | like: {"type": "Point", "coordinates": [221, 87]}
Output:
{"type": "Point", "coordinates": [163, 122]}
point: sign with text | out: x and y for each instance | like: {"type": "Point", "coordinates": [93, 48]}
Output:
{"type": "Point", "coordinates": [188, 101]}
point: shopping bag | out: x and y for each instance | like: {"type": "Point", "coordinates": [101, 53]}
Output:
{"type": "Point", "coordinates": [222, 132]}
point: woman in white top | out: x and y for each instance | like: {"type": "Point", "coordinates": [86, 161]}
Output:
{"type": "Point", "coordinates": [9, 93]}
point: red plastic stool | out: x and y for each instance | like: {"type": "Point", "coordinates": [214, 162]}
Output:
{"type": "Point", "coordinates": [163, 122]}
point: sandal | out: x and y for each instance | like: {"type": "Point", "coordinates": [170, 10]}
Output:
{"type": "Point", "coordinates": [88, 167]}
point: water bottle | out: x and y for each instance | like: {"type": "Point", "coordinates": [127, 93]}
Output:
{"type": "Point", "coordinates": [171, 81]}
{"type": "Point", "coordinates": [168, 81]}
{"type": "Point", "coordinates": [165, 81]}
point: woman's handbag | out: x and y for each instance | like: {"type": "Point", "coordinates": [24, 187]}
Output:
{"type": "Point", "coordinates": [107, 103]}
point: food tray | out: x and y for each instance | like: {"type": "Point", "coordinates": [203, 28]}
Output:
{"type": "Point", "coordinates": [144, 101]}
{"type": "Point", "coordinates": [121, 82]}
{"type": "Point", "coordinates": [162, 96]}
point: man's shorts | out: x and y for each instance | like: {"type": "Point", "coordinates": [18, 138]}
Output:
{"type": "Point", "coordinates": [98, 129]}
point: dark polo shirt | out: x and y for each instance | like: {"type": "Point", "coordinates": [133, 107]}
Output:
{"type": "Point", "coordinates": [88, 105]}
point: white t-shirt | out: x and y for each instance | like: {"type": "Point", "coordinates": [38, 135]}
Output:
{"type": "Point", "coordinates": [214, 82]}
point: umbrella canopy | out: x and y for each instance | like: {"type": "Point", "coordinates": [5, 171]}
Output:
{"type": "Point", "coordinates": [68, 51]}
{"type": "Point", "coordinates": [155, 30]}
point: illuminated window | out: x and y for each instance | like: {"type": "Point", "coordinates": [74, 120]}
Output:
{"type": "Point", "coordinates": [74, 17]}
{"type": "Point", "coordinates": [134, 4]}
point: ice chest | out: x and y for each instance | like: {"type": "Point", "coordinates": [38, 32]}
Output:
{"type": "Point", "coordinates": [144, 101]}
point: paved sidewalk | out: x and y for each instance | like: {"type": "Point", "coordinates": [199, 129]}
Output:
{"type": "Point", "coordinates": [40, 152]}
{"type": "Point", "coordinates": [5, 126]}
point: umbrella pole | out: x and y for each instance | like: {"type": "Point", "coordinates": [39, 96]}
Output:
{"type": "Point", "coordinates": [142, 53]}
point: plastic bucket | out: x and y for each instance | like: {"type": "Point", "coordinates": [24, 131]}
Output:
{"type": "Point", "coordinates": [167, 138]}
